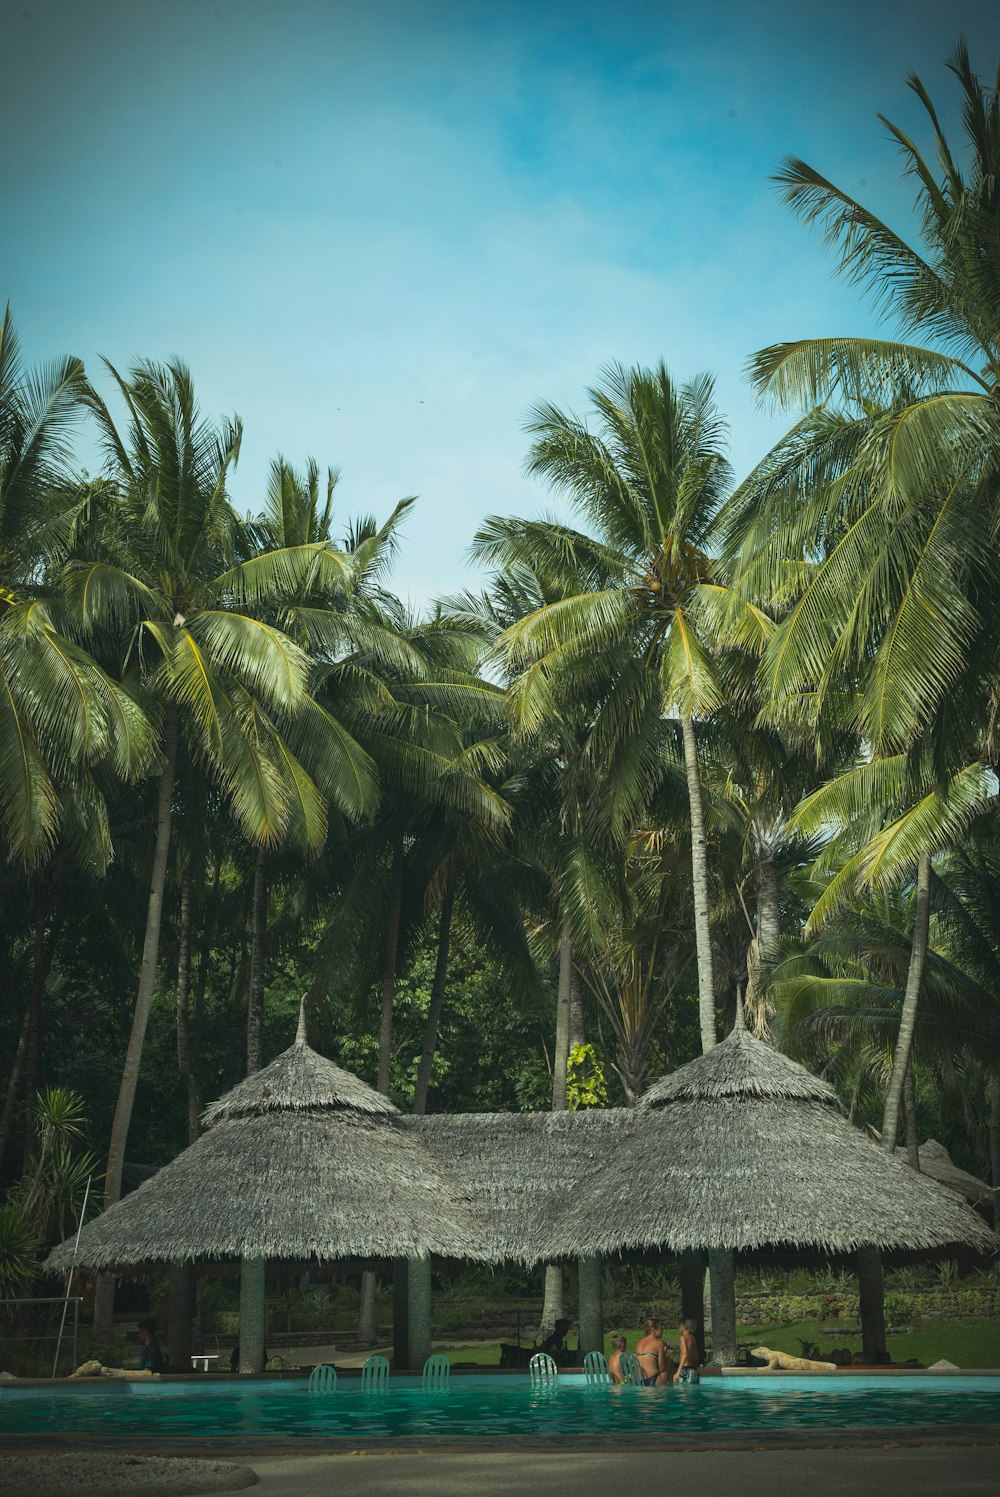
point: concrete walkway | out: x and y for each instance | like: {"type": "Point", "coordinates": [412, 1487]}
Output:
{"type": "Point", "coordinates": [958, 1471]}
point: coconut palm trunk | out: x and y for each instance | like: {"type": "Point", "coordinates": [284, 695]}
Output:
{"type": "Point", "coordinates": [870, 1277]}
{"type": "Point", "coordinates": [255, 999]}
{"type": "Point", "coordinates": [768, 913]}
{"type": "Point", "coordinates": [205, 946]}
{"type": "Point", "coordinates": [720, 1260]}
{"type": "Point", "coordinates": [699, 879]}
{"type": "Point", "coordinates": [184, 1062]}
{"type": "Point", "coordinates": [104, 1299]}
{"type": "Point", "coordinates": [911, 998]}
{"type": "Point", "coordinates": [366, 1312]}
{"type": "Point", "coordinates": [389, 966]}
{"type": "Point", "coordinates": [183, 1290]}
{"type": "Point", "coordinates": [553, 1300]}
{"type": "Point", "coordinates": [763, 952]}
{"type": "Point", "coordinates": [910, 1111]}
{"type": "Point", "coordinates": [437, 999]}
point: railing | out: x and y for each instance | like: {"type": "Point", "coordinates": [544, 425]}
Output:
{"type": "Point", "coordinates": [65, 1302]}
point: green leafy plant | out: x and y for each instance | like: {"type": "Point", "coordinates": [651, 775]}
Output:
{"type": "Point", "coordinates": [586, 1083]}
{"type": "Point", "coordinates": [898, 1309]}
{"type": "Point", "coordinates": [19, 1246]}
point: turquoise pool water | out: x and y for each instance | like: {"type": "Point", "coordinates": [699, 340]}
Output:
{"type": "Point", "coordinates": [499, 1408]}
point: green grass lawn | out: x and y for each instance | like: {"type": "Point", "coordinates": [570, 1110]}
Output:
{"type": "Point", "coordinates": [967, 1343]}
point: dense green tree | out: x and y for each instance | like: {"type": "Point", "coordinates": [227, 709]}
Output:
{"type": "Point", "coordinates": [888, 486]}
{"type": "Point", "coordinates": [166, 570]}
{"type": "Point", "coordinates": [651, 606]}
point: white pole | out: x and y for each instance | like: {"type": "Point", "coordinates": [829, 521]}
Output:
{"type": "Point", "coordinates": [69, 1276]}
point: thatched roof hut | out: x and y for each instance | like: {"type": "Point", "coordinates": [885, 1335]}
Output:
{"type": "Point", "coordinates": [520, 1167]}
{"type": "Point", "coordinates": [744, 1149]}
{"type": "Point", "coordinates": [300, 1160]}
{"type": "Point", "coordinates": [936, 1162]}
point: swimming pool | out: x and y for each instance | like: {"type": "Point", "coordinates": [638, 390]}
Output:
{"type": "Point", "coordinates": [475, 1409]}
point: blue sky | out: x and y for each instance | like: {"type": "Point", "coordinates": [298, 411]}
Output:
{"type": "Point", "coordinates": [380, 231]}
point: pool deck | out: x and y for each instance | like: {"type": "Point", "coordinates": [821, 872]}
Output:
{"type": "Point", "coordinates": [865, 1473]}
{"type": "Point", "coordinates": [890, 1469]}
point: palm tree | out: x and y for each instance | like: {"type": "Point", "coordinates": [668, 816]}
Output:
{"type": "Point", "coordinates": [874, 517]}
{"type": "Point", "coordinates": [888, 818]}
{"type": "Point", "coordinates": [60, 713]}
{"type": "Point", "coordinates": [168, 571]}
{"type": "Point", "coordinates": [636, 636]}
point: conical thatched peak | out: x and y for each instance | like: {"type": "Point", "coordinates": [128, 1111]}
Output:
{"type": "Point", "coordinates": [297, 1080]}
{"type": "Point", "coordinates": [739, 1066]}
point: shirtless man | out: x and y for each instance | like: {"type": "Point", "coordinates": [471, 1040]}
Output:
{"type": "Point", "coordinates": [687, 1368]}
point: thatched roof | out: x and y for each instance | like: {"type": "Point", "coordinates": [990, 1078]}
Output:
{"type": "Point", "coordinates": [744, 1149]}
{"type": "Point", "coordinates": [299, 1080]}
{"type": "Point", "coordinates": [520, 1167]}
{"type": "Point", "coordinates": [936, 1162]}
{"type": "Point", "coordinates": [301, 1160]}
{"type": "Point", "coordinates": [740, 1067]}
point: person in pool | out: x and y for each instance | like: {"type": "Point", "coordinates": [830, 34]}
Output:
{"type": "Point", "coordinates": [619, 1346]}
{"type": "Point", "coordinates": [657, 1368]}
{"type": "Point", "coordinates": [687, 1367]}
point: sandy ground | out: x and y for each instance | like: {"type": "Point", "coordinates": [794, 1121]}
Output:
{"type": "Point", "coordinates": [84, 1474]}
{"type": "Point", "coordinates": [957, 1472]}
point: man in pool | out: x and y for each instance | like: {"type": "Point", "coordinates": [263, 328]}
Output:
{"type": "Point", "coordinates": [150, 1355]}
{"type": "Point", "coordinates": [687, 1366]}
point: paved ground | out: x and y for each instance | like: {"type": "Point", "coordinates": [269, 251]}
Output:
{"type": "Point", "coordinates": [957, 1472]}
{"type": "Point", "coordinates": [91, 1475]}
{"type": "Point", "coordinates": [311, 1356]}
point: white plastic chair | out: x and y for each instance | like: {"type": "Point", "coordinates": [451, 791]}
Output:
{"type": "Point", "coordinates": [542, 1368]}
{"type": "Point", "coordinates": [595, 1365]}
{"type": "Point", "coordinates": [323, 1379]}
{"type": "Point", "coordinates": [437, 1371]}
{"type": "Point", "coordinates": [375, 1375]}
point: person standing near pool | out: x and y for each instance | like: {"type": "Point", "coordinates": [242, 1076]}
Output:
{"type": "Point", "coordinates": [150, 1355]}
{"type": "Point", "coordinates": [554, 1344]}
{"type": "Point", "coordinates": [687, 1367]}
{"type": "Point", "coordinates": [657, 1368]}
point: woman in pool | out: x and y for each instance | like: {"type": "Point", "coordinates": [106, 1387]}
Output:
{"type": "Point", "coordinates": [687, 1368]}
{"type": "Point", "coordinates": [657, 1368]}
{"type": "Point", "coordinates": [619, 1348]}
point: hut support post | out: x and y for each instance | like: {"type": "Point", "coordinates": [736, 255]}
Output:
{"type": "Point", "coordinates": [400, 1314]}
{"type": "Point", "coordinates": [692, 1277]}
{"type": "Point", "coordinates": [180, 1315]}
{"type": "Point", "coordinates": [871, 1305]}
{"type": "Point", "coordinates": [252, 1271]}
{"type": "Point", "coordinates": [590, 1318]}
{"type": "Point", "coordinates": [419, 1311]}
{"type": "Point", "coordinates": [721, 1269]}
